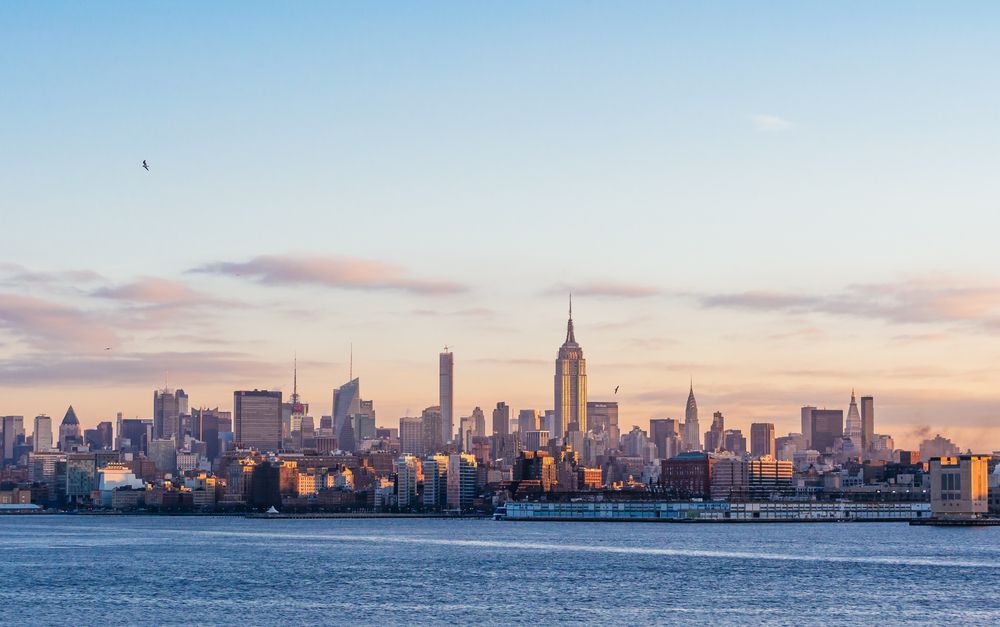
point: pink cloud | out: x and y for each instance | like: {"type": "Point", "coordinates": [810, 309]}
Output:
{"type": "Point", "coordinates": [48, 324]}
{"type": "Point", "coordinates": [154, 291]}
{"type": "Point", "coordinates": [612, 289]}
{"type": "Point", "coordinates": [18, 274]}
{"type": "Point", "coordinates": [914, 301]}
{"type": "Point", "coordinates": [114, 368]}
{"type": "Point", "coordinates": [330, 271]}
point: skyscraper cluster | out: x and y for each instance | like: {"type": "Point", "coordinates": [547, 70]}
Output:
{"type": "Point", "coordinates": [269, 449]}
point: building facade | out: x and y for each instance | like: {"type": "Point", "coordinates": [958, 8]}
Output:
{"type": "Point", "coordinates": [446, 394]}
{"type": "Point", "coordinates": [257, 419]}
{"type": "Point", "coordinates": [762, 439]}
{"type": "Point", "coordinates": [959, 486]}
{"type": "Point", "coordinates": [570, 384]}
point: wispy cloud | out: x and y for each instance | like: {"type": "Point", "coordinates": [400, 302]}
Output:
{"type": "Point", "coordinates": [155, 291]}
{"type": "Point", "coordinates": [14, 272]}
{"type": "Point", "coordinates": [329, 271]}
{"type": "Point", "coordinates": [47, 324]}
{"type": "Point", "coordinates": [770, 123]}
{"type": "Point", "coordinates": [50, 368]}
{"type": "Point", "coordinates": [611, 289]}
{"type": "Point", "coordinates": [471, 312]}
{"type": "Point", "coordinates": [915, 301]}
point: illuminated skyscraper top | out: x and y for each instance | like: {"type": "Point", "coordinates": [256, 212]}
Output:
{"type": "Point", "coordinates": [692, 440]}
{"type": "Point", "coordinates": [570, 383]}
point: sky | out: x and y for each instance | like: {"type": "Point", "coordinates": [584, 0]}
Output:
{"type": "Point", "coordinates": [780, 201]}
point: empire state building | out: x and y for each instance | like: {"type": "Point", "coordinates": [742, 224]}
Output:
{"type": "Point", "coordinates": [571, 383]}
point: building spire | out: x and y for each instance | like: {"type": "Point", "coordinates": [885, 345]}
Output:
{"type": "Point", "coordinates": [570, 336]}
{"type": "Point", "coordinates": [350, 372]}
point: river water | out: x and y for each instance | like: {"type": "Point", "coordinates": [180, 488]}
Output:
{"type": "Point", "coordinates": [229, 570]}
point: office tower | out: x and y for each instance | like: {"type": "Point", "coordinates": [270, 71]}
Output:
{"type": "Point", "coordinates": [786, 447]}
{"type": "Point", "coordinates": [852, 428]}
{"type": "Point", "coordinates": [207, 424]}
{"type": "Point", "coordinates": [346, 403]}
{"type": "Point", "coordinates": [265, 480]}
{"type": "Point", "coordinates": [692, 436]}
{"type": "Point", "coordinates": [411, 435]}
{"type": "Point", "coordinates": [436, 481]}
{"type": "Point", "coordinates": [571, 383]}
{"type": "Point", "coordinates": [446, 393]}
{"type": "Point", "coordinates": [42, 435]}
{"type": "Point", "coordinates": [535, 440]}
{"type": "Point", "coordinates": [166, 414]}
{"type": "Point", "coordinates": [407, 468]}
{"type": "Point", "coordinates": [826, 427]}
{"type": "Point", "coordinates": [527, 420]}
{"type": "Point", "coordinates": [602, 417]}
{"type": "Point", "coordinates": [537, 466]}
{"type": "Point", "coordinates": [348, 408]}
{"type": "Point", "coordinates": [461, 480]}
{"type": "Point", "coordinates": [660, 431]}
{"type": "Point", "coordinates": [134, 435]}
{"type": "Point", "coordinates": [762, 439]}
{"type": "Point", "coordinates": [807, 424]}
{"type": "Point", "coordinates": [292, 413]}
{"type": "Point", "coordinates": [479, 423]}
{"type": "Point", "coordinates": [257, 419]}
{"type": "Point", "coordinates": [501, 419]}
{"type": "Point", "coordinates": [550, 424]}
{"type": "Point", "coordinates": [106, 434]}
{"type": "Point", "coordinates": [634, 442]}
{"type": "Point", "coordinates": [69, 431]}
{"type": "Point", "coordinates": [364, 423]}
{"type": "Point", "coordinates": [81, 475]}
{"type": "Point", "coordinates": [13, 436]}
{"type": "Point", "coordinates": [164, 454]}
{"type": "Point", "coordinates": [735, 442]}
{"type": "Point", "coordinates": [465, 433]}
{"type": "Point", "coordinates": [715, 436]}
{"type": "Point", "coordinates": [431, 420]}
{"type": "Point", "coordinates": [98, 438]}
{"type": "Point", "coordinates": [867, 423]}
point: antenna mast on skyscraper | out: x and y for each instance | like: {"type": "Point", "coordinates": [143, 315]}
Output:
{"type": "Point", "coordinates": [350, 371]}
{"type": "Point", "coordinates": [295, 379]}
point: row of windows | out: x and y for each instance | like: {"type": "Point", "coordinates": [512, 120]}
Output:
{"type": "Point", "coordinates": [951, 481]}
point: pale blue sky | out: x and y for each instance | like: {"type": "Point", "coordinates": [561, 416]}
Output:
{"type": "Point", "coordinates": [515, 148]}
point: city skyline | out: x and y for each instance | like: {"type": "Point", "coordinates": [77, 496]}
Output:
{"type": "Point", "coordinates": [719, 208]}
{"type": "Point", "coordinates": [346, 402]}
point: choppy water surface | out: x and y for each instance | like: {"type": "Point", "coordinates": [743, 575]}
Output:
{"type": "Point", "coordinates": [225, 570]}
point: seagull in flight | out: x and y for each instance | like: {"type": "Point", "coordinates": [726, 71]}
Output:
{"type": "Point", "coordinates": [616, 388]}
{"type": "Point", "coordinates": [107, 348]}
{"type": "Point", "coordinates": [145, 165]}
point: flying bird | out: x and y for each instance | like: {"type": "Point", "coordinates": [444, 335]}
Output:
{"type": "Point", "coordinates": [107, 348]}
{"type": "Point", "coordinates": [616, 388]}
{"type": "Point", "coordinates": [145, 165]}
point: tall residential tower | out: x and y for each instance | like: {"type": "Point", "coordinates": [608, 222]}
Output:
{"type": "Point", "coordinates": [446, 396]}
